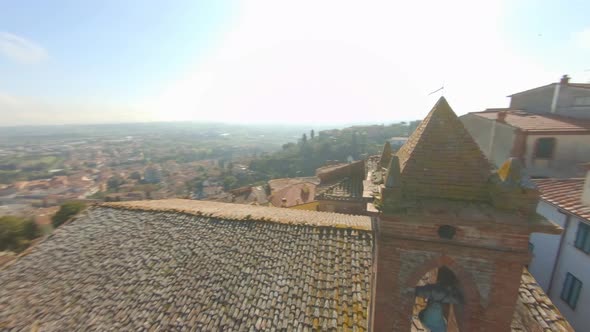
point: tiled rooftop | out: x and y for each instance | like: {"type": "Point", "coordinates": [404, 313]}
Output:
{"type": "Point", "coordinates": [278, 184]}
{"type": "Point", "coordinates": [349, 188]}
{"type": "Point", "coordinates": [250, 212]}
{"type": "Point", "coordinates": [566, 194]}
{"type": "Point", "coordinates": [532, 122]}
{"type": "Point", "coordinates": [299, 193]}
{"type": "Point", "coordinates": [122, 269]}
{"type": "Point", "coordinates": [535, 308]}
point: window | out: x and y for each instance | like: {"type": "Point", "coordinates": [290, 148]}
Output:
{"type": "Point", "coordinates": [544, 148]}
{"type": "Point", "coordinates": [583, 238]}
{"type": "Point", "coordinates": [582, 101]}
{"type": "Point", "coordinates": [571, 290]}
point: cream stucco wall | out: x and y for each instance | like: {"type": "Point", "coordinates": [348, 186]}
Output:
{"type": "Point", "coordinates": [482, 130]}
{"type": "Point", "coordinates": [570, 151]}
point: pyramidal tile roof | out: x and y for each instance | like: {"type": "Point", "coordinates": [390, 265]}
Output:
{"type": "Point", "coordinates": [386, 154]}
{"type": "Point", "coordinates": [441, 159]}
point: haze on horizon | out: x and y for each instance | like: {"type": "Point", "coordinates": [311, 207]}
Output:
{"type": "Point", "coordinates": [304, 62]}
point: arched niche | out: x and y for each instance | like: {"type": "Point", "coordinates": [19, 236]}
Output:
{"type": "Point", "coordinates": [443, 269]}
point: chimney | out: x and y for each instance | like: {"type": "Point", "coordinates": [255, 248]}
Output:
{"type": "Point", "coordinates": [501, 116]}
{"type": "Point", "coordinates": [564, 79]}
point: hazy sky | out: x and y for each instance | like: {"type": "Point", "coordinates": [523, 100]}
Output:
{"type": "Point", "coordinates": [278, 61]}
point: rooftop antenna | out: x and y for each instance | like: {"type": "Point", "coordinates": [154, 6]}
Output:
{"type": "Point", "coordinates": [441, 89]}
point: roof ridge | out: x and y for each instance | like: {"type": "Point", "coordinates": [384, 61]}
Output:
{"type": "Point", "coordinates": [243, 212]}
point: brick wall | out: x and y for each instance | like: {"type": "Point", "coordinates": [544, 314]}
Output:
{"type": "Point", "coordinates": [343, 206]}
{"type": "Point", "coordinates": [487, 263]}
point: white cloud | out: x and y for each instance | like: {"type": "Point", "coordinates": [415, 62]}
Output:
{"type": "Point", "coordinates": [344, 61]}
{"type": "Point", "coordinates": [582, 39]}
{"type": "Point", "coordinates": [21, 50]}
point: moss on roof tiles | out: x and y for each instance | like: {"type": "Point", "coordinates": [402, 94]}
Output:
{"type": "Point", "coordinates": [128, 269]}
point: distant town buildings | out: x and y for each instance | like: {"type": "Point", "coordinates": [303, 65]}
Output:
{"type": "Point", "coordinates": [441, 248]}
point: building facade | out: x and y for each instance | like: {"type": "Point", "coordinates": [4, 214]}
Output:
{"type": "Point", "coordinates": [550, 138]}
{"type": "Point", "coordinates": [561, 98]}
{"type": "Point", "coordinates": [561, 263]}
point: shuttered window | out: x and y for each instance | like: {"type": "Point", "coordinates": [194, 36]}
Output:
{"type": "Point", "coordinates": [583, 237]}
{"type": "Point", "coordinates": [571, 290]}
{"type": "Point", "coordinates": [544, 148]}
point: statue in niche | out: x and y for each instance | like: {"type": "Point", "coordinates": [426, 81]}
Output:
{"type": "Point", "coordinates": [437, 295]}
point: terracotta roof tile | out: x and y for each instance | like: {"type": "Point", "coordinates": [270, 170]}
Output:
{"type": "Point", "coordinates": [532, 122]}
{"type": "Point", "coordinates": [230, 211]}
{"type": "Point", "coordinates": [535, 311]}
{"type": "Point", "coordinates": [442, 160]}
{"type": "Point", "coordinates": [278, 184]}
{"type": "Point", "coordinates": [566, 194]}
{"type": "Point", "coordinates": [349, 188]}
{"type": "Point", "coordinates": [118, 269]}
{"type": "Point", "coordinates": [296, 194]}
{"type": "Point", "coordinates": [580, 85]}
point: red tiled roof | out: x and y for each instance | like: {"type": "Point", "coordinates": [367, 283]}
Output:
{"type": "Point", "coordinates": [296, 194]}
{"type": "Point", "coordinates": [565, 194]}
{"type": "Point", "coordinates": [580, 85]}
{"type": "Point", "coordinates": [532, 122]}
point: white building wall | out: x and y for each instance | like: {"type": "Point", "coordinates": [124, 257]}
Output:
{"type": "Point", "coordinates": [576, 262]}
{"type": "Point", "coordinates": [483, 130]}
{"type": "Point", "coordinates": [570, 150]}
{"type": "Point", "coordinates": [545, 246]}
{"type": "Point", "coordinates": [571, 260]}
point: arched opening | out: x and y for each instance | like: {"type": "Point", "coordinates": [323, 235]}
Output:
{"type": "Point", "coordinates": [439, 302]}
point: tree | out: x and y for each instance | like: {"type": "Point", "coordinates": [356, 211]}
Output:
{"type": "Point", "coordinates": [152, 175]}
{"type": "Point", "coordinates": [114, 183]}
{"type": "Point", "coordinates": [229, 182]}
{"type": "Point", "coordinates": [304, 139]}
{"type": "Point", "coordinates": [355, 147]}
{"type": "Point", "coordinates": [16, 233]}
{"type": "Point", "coordinates": [312, 134]}
{"type": "Point", "coordinates": [135, 175]}
{"type": "Point", "coordinates": [66, 211]}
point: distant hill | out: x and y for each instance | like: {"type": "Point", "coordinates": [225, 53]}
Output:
{"type": "Point", "coordinates": [313, 150]}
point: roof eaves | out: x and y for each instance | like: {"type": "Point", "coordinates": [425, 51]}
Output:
{"type": "Point", "coordinates": [491, 110]}
{"type": "Point", "coordinates": [529, 90]}
{"type": "Point", "coordinates": [564, 209]}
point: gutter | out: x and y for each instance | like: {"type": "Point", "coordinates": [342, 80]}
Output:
{"type": "Point", "coordinates": [559, 249]}
{"type": "Point", "coordinates": [555, 97]}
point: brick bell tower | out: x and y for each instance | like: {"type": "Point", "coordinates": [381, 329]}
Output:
{"type": "Point", "coordinates": [452, 233]}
